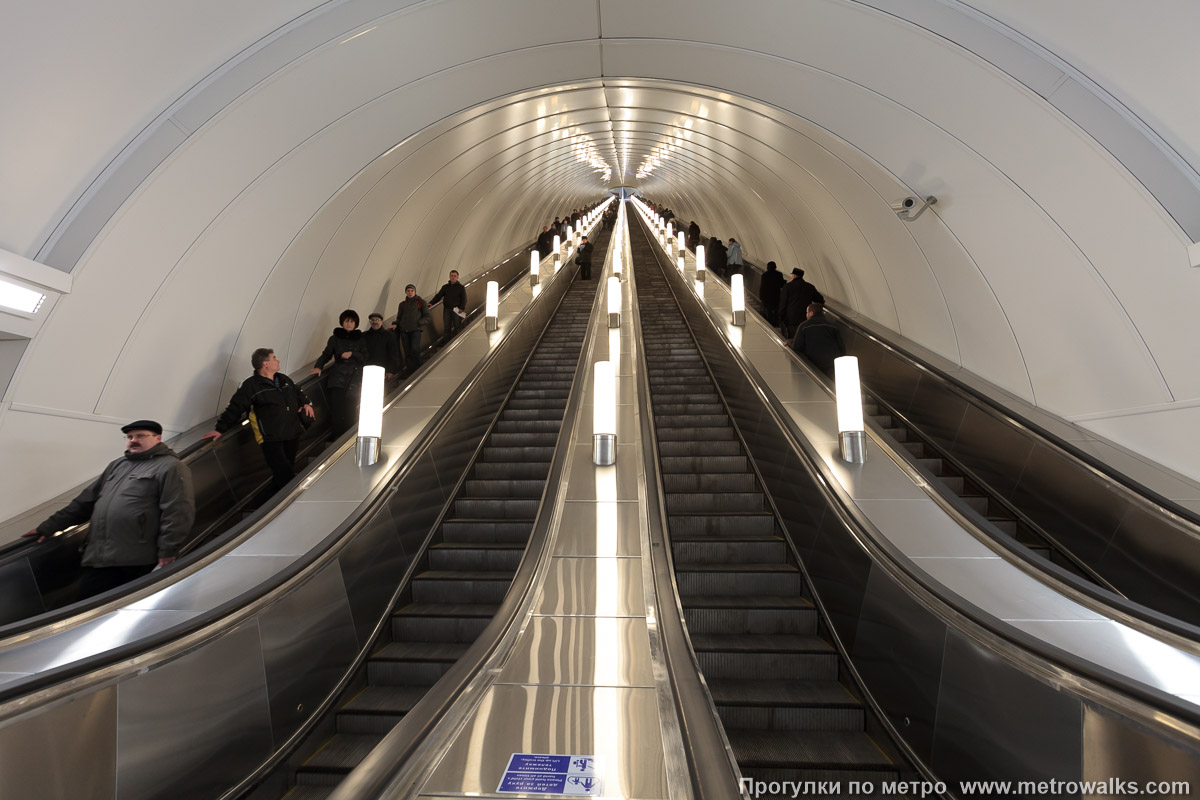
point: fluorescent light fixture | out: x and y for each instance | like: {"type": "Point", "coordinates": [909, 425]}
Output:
{"type": "Point", "coordinates": [370, 416]}
{"type": "Point", "coordinates": [535, 262]}
{"type": "Point", "coordinates": [851, 434]}
{"type": "Point", "coordinates": [492, 306]}
{"type": "Point", "coordinates": [679, 263]}
{"type": "Point", "coordinates": [701, 272]}
{"type": "Point", "coordinates": [557, 243]}
{"type": "Point", "coordinates": [20, 298]}
{"type": "Point", "coordinates": [614, 302]}
{"type": "Point", "coordinates": [604, 414]}
{"type": "Point", "coordinates": [682, 242]}
{"type": "Point", "coordinates": [737, 295]}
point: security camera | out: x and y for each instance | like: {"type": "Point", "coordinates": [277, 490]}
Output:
{"type": "Point", "coordinates": [910, 208]}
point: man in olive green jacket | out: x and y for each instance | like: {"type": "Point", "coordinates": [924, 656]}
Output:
{"type": "Point", "coordinates": [140, 510]}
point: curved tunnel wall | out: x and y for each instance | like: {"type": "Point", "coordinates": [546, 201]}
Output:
{"type": "Point", "coordinates": [365, 146]}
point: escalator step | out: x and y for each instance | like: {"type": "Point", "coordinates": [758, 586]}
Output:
{"type": "Point", "coordinates": [741, 551]}
{"type": "Point", "coordinates": [786, 705]}
{"type": "Point", "coordinates": [693, 422]}
{"type": "Point", "coordinates": [771, 621]}
{"type": "Point", "coordinates": [694, 464]}
{"type": "Point", "coordinates": [483, 531]}
{"type": "Point", "coordinates": [843, 755]}
{"type": "Point", "coordinates": [516, 489]}
{"type": "Point", "coordinates": [722, 525]}
{"type": "Point", "coordinates": [723, 433]}
{"type": "Point", "coordinates": [517, 454]}
{"type": "Point", "coordinates": [342, 753]}
{"type": "Point", "coordinates": [460, 587]}
{"type": "Point", "coordinates": [471, 557]}
{"type": "Point", "coordinates": [492, 508]}
{"type": "Point", "coordinates": [714, 502]}
{"type": "Point", "coordinates": [499, 470]}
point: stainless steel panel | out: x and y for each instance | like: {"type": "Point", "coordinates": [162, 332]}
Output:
{"type": "Point", "coordinates": [878, 479]}
{"type": "Point", "coordinates": [65, 752]}
{"type": "Point", "coordinates": [920, 528]}
{"type": "Point", "coordinates": [581, 651]}
{"type": "Point", "coordinates": [757, 337]}
{"type": "Point", "coordinates": [995, 722]}
{"type": "Point", "coordinates": [217, 583]}
{"type": "Point", "coordinates": [617, 725]}
{"type": "Point", "coordinates": [194, 726]}
{"type": "Point", "coordinates": [839, 569]}
{"type": "Point", "coordinates": [431, 391]}
{"type": "Point", "coordinates": [619, 482]}
{"type": "Point", "coordinates": [371, 566]}
{"type": "Point", "coordinates": [592, 587]}
{"type": "Point", "coordinates": [794, 386]}
{"type": "Point", "coordinates": [417, 502]}
{"type": "Point", "coordinates": [938, 410]}
{"type": "Point", "coordinates": [474, 343]}
{"type": "Point", "coordinates": [1154, 562]}
{"type": "Point", "coordinates": [817, 420]}
{"type": "Point", "coordinates": [1120, 748]}
{"type": "Point", "coordinates": [898, 649]}
{"type": "Point", "coordinates": [345, 480]}
{"type": "Point", "coordinates": [1122, 650]}
{"type": "Point", "coordinates": [777, 360]}
{"type": "Point", "coordinates": [599, 529]}
{"type": "Point", "coordinates": [298, 528]}
{"type": "Point", "coordinates": [308, 641]}
{"type": "Point", "coordinates": [89, 639]}
{"type": "Point", "coordinates": [401, 425]}
{"type": "Point", "coordinates": [994, 450]}
{"type": "Point", "coordinates": [1001, 589]}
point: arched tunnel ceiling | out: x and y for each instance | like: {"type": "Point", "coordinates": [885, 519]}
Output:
{"type": "Point", "coordinates": [362, 146]}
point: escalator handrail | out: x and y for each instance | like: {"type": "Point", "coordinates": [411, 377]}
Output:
{"type": "Point", "coordinates": [68, 677]}
{"type": "Point", "coordinates": [888, 556]}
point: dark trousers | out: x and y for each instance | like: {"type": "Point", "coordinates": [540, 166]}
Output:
{"type": "Point", "coordinates": [281, 458]}
{"type": "Point", "coordinates": [341, 410]}
{"type": "Point", "coordinates": [98, 580]}
{"type": "Point", "coordinates": [451, 323]}
{"type": "Point", "coordinates": [585, 270]}
{"type": "Point", "coordinates": [772, 312]}
{"type": "Point", "coordinates": [411, 340]}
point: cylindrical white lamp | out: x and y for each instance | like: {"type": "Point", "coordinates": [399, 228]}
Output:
{"type": "Point", "coordinates": [851, 433]}
{"type": "Point", "coordinates": [557, 263]}
{"type": "Point", "coordinates": [535, 262]}
{"type": "Point", "coordinates": [701, 272]}
{"type": "Point", "coordinates": [491, 309]}
{"type": "Point", "coordinates": [557, 243]}
{"type": "Point", "coordinates": [670, 230]}
{"type": "Point", "coordinates": [737, 295]}
{"type": "Point", "coordinates": [680, 263]}
{"type": "Point", "coordinates": [614, 302]}
{"type": "Point", "coordinates": [617, 266]}
{"type": "Point", "coordinates": [682, 242]}
{"type": "Point", "coordinates": [604, 415]}
{"type": "Point", "coordinates": [370, 416]}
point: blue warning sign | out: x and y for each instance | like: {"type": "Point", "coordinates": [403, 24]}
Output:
{"type": "Point", "coordinates": [541, 773]}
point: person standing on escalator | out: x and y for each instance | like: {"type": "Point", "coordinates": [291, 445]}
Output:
{"type": "Point", "coordinates": [140, 511]}
{"type": "Point", "coordinates": [343, 357]}
{"type": "Point", "coordinates": [274, 404]}
{"type": "Point", "coordinates": [583, 257]}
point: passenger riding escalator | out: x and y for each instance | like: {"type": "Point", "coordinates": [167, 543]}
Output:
{"type": "Point", "coordinates": [470, 562]}
{"type": "Point", "coordinates": [778, 683]}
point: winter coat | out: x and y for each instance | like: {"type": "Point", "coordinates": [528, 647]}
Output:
{"type": "Point", "coordinates": [141, 509]}
{"type": "Point", "coordinates": [795, 299]}
{"type": "Point", "coordinates": [820, 341]}
{"type": "Point", "coordinates": [734, 256]}
{"type": "Point", "coordinates": [412, 314]}
{"type": "Point", "coordinates": [382, 349]}
{"type": "Point", "coordinates": [584, 254]}
{"type": "Point", "coordinates": [273, 405]}
{"type": "Point", "coordinates": [452, 295]}
{"type": "Point", "coordinates": [769, 287]}
{"type": "Point", "coordinates": [715, 255]}
{"type": "Point", "coordinates": [345, 372]}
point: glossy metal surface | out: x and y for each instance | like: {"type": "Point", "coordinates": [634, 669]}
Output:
{"type": "Point", "coordinates": [80, 764]}
{"type": "Point", "coordinates": [616, 724]}
{"type": "Point", "coordinates": [581, 651]}
{"type": "Point", "coordinates": [591, 586]}
{"type": "Point", "coordinates": [195, 725]}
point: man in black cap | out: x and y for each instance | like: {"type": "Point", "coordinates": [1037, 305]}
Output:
{"type": "Point", "coordinates": [770, 285]}
{"type": "Point", "coordinates": [140, 510]}
{"type": "Point", "coordinates": [274, 404]}
{"type": "Point", "coordinates": [794, 301]}
{"type": "Point", "coordinates": [583, 257]}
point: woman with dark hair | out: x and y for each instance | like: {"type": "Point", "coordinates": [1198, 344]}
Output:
{"type": "Point", "coordinates": [348, 350]}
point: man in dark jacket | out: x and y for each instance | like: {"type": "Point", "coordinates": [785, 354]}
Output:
{"type": "Point", "coordinates": [382, 348]}
{"type": "Point", "coordinates": [274, 404]}
{"type": "Point", "coordinates": [141, 510]}
{"type": "Point", "coordinates": [412, 316]}
{"type": "Point", "coordinates": [583, 257]}
{"type": "Point", "coordinates": [715, 256]}
{"type": "Point", "coordinates": [454, 302]}
{"type": "Point", "coordinates": [769, 287]}
{"type": "Point", "coordinates": [819, 340]}
{"type": "Point", "coordinates": [794, 301]}
{"type": "Point", "coordinates": [693, 235]}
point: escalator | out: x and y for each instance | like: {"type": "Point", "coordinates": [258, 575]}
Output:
{"type": "Point", "coordinates": [777, 681]}
{"type": "Point", "coordinates": [472, 558]}
{"type": "Point", "coordinates": [1038, 495]}
{"type": "Point", "coordinates": [231, 480]}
